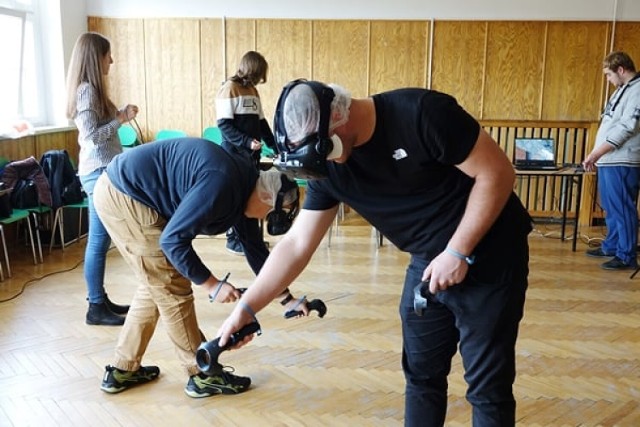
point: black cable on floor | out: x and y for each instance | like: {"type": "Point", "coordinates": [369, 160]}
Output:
{"type": "Point", "coordinates": [37, 279]}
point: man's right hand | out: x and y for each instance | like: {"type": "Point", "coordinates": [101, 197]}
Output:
{"type": "Point", "coordinates": [227, 293]}
{"type": "Point", "coordinates": [223, 292]}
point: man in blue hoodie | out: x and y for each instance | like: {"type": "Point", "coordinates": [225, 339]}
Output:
{"type": "Point", "coordinates": [154, 200]}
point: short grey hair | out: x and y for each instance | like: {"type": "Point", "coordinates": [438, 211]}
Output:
{"type": "Point", "coordinates": [269, 184]}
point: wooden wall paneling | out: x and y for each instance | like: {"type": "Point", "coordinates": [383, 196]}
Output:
{"type": "Point", "coordinates": [399, 52]}
{"type": "Point", "coordinates": [71, 145]}
{"type": "Point", "coordinates": [573, 72]}
{"type": "Point", "coordinates": [514, 70]}
{"type": "Point", "coordinates": [626, 39]}
{"type": "Point", "coordinates": [240, 37]}
{"type": "Point", "coordinates": [172, 56]}
{"type": "Point", "coordinates": [19, 148]}
{"type": "Point", "coordinates": [458, 62]}
{"type": "Point", "coordinates": [126, 79]}
{"type": "Point", "coordinates": [212, 63]}
{"type": "Point", "coordinates": [341, 54]}
{"type": "Point", "coordinates": [589, 209]}
{"type": "Point", "coordinates": [53, 141]}
{"type": "Point", "coordinates": [285, 64]}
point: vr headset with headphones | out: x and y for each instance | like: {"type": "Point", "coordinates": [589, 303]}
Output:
{"type": "Point", "coordinates": [308, 158]}
{"type": "Point", "coordinates": [278, 220]}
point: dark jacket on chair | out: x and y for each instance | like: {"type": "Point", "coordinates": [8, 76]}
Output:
{"type": "Point", "coordinates": [28, 169]}
{"type": "Point", "coordinates": [58, 169]}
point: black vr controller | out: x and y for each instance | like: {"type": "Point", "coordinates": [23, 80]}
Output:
{"type": "Point", "coordinates": [208, 352]}
{"type": "Point", "coordinates": [422, 297]}
{"type": "Point", "coordinates": [315, 304]}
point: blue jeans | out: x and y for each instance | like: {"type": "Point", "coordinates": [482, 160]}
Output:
{"type": "Point", "coordinates": [98, 243]}
{"type": "Point", "coordinates": [482, 318]}
{"type": "Point", "coordinates": [618, 192]}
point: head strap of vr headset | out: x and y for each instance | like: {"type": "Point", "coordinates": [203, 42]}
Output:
{"type": "Point", "coordinates": [307, 158]}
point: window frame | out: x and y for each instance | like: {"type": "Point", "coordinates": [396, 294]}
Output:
{"type": "Point", "coordinates": [37, 106]}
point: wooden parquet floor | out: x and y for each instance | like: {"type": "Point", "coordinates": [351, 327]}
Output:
{"type": "Point", "coordinates": [578, 352]}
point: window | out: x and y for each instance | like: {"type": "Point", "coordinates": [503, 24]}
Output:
{"type": "Point", "coordinates": [29, 69]}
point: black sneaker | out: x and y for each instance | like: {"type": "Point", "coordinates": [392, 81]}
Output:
{"type": "Point", "coordinates": [617, 264]}
{"type": "Point", "coordinates": [235, 247]}
{"type": "Point", "coordinates": [597, 253]}
{"type": "Point", "coordinates": [116, 380]}
{"type": "Point", "coordinates": [202, 385]}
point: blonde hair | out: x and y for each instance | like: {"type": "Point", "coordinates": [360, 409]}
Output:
{"type": "Point", "coordinates": [86, 66]}
{"type": "Point", "coordinates": [252, 70]}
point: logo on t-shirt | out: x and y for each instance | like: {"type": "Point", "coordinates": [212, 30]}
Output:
{"type": "Point", "coordinates": [249, 103]}
{"type": "Point", "coordinates": [399, 154]}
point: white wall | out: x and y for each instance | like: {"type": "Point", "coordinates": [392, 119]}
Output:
{"type": "Point", "coordinates": [564, 10]}
{"type": "Point", "coordinates": [73, 16]}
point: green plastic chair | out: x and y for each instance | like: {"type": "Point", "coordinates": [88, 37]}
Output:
{"type": "Point", "coordinates": [128, 137]}
{"type": "Point", "coordinates": [58, 223]}
{"type": "Point", "coordinates": [213, 134]}
{"type": "Point", "coordinates": [16, 216]}
{"type": "Point", "coordinates": [170, 133]}
{"type": "Point", "coordinates": [266, 151]}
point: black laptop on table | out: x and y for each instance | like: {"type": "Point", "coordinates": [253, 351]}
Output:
{"type": "Point", "coordinates": [532, 154]}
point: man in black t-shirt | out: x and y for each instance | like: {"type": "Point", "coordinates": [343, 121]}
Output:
{"type": "Point", "coordinates": [421, 170]}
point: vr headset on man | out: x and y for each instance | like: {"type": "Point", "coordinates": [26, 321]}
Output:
{"type": "Point", "coordinates": [279, 220]}
{"type": "Point", "coordinates": [306, 159]}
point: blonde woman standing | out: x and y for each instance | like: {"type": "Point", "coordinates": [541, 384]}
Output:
{"type": "Point", "coordinates": [98, 120]}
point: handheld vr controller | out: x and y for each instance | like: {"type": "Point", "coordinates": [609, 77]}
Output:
{"type": "Point", "coordinates": [422, 297]}
{"type": "Point", "coordinates": [208, 352]}
{"type": "Point", "coordinates": [315, 304]}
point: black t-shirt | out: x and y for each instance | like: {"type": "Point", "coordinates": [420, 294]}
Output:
{"type": "Point", "coordinates": [404, 180]}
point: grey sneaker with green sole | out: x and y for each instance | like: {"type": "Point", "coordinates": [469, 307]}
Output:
{"type": "Point", "coordinates": [202, 385]}
{"type": "Point", "coordinates": [116, 380]}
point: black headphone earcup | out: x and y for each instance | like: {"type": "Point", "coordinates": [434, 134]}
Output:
{"type": "Point", "coordinates": [324, 146]}
{"type": "Point", "coordinates": [278, 223]}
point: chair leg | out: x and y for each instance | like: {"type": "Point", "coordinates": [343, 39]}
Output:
{"type": "Point", "coordinates": [79, 224]}
{"type": "Point", "coordinates": [58, 223]}
{"type": "Point", "coordinates": [378, 238]}
{"type": "Point", "coordinates": [36, 225]}
{"type": "Point", "coordinates": [61, 228]}
{"type": "Point", "coordinates": [4, 245]}
{"type": "Point", "coordinates": [33, 245]}
{"type": "Point", "coordinates": [341, 212]}
{"type": "Point", "coordinates": [54, 227]}
{"type": "Point", "coordinates": [6, 253]}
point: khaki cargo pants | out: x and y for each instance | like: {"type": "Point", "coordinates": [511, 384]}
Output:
{"type": "Point", "coordinates": [162, 292]}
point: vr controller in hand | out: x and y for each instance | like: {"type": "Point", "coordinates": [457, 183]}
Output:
{"type": "Point", "coordinates": [208, 352]}
{"type": "Point", "coordinates": [422, 298]}
{"type": "Point", "coordinates": [316, 304]}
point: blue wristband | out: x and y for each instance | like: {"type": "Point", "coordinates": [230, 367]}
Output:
{"type": "Point", "coordinates": [468, 259]}
{"type": "Point", "coordinates": [248, 309]}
